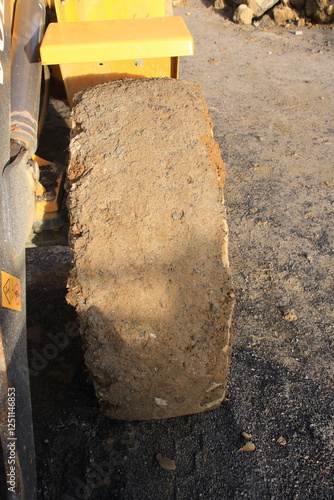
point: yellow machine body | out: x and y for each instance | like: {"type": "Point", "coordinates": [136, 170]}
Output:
{"type": "Point", "coordinates": [100, 41]}
{"type": "Point", "coordinates": [101, 10]}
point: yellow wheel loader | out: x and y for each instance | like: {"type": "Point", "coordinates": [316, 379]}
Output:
{"type": "Point", "coordinates": [150, 282]}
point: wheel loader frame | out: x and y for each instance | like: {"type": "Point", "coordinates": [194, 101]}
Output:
{"type": "Point", "coordinates": [93, 42]}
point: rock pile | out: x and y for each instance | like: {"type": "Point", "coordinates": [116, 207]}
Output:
{"type": "Point", "coordinates": [284, 11]}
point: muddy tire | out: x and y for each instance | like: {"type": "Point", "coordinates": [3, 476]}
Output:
{"type": "Point", "coordinates": [151, 281]}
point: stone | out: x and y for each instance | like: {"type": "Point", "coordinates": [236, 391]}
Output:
{"type": "Point", "coordinates": [249, 446]}
{"type": "Point", "coordinates": [283, 14]}
{"type": "Point", "coordinates": [220, 4]}
{"type": "Point", "coordinates": [259, 7]}
{"type": "Point", "coordinates": [243, 15]}
{"type": "Point", "coordinates": [322, 11]}
{"type": "Point", "coordinates": [179, 3]}
{"type": "Point", "coordinates": [297, 4]}
{"type": "Point", "coordinates": [165, 462]}
{"type": "Point", "coordinates": [289, 315]}
{"type": "Point", "coordinates": [265, 22]}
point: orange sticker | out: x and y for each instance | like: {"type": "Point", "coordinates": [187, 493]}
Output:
{"type": "Point", "coordinates": [11, 291]}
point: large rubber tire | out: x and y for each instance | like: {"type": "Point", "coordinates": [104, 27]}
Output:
{"type": "Point", "coordinates": [151, 280]}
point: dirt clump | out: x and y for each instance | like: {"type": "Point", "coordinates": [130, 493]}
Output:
{"type": "Point", "coordinates": [151, 279]}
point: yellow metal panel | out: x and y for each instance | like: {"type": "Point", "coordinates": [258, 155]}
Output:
{"type": "Point", "coordinates": [47, 209]}
{"type": "Point", "coordinates": [115, 40]}
{"type": "Point", "coordinates": [77, 77]}
{"type": "Point", "coordinates": [101, 10]}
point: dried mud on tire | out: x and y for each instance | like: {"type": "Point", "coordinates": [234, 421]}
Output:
{"type": "Point", "coordinates": [151, 280]}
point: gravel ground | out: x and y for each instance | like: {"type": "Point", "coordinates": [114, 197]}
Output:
{"type": "Point", "coordinates": [271, 98]}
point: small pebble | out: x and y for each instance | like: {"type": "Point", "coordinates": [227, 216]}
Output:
{"type": "Point", "coordinates": [178, 215]}
{"type": "Point", "coordinates": [249, 446]}
{"type": "Point", "coordinates": [161, 402]}
{"type": "Point", "coordinates": [246, 435]}
{"type": "Point", "coordinates": [165, 463]}
{"type": "Point", "coordinates": [289, 315]}
{"type": "Point", "coordinates": [282, 441]}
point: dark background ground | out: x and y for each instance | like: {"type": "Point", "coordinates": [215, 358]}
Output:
{"type": "Point", "coordinates": [271, 97]}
